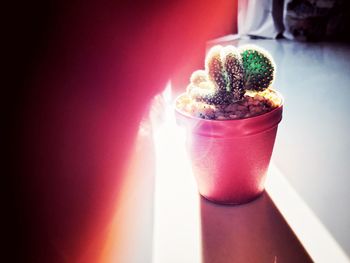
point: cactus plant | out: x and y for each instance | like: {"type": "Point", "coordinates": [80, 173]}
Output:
{"type": "Point", "coordinates": [259, 68]}
{"type": "Point", "coordinates": [225, 69]}
{"type": "Point", "coordinates": [231, 116]}
{"type": "Point", "coordinates": [229, 73]}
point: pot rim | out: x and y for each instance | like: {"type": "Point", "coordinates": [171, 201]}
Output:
{"type": "Point", "coordinates": [231, 120]}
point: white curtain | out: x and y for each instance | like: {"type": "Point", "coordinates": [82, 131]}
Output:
{"type": "Point", "coordinates": [260, 18]}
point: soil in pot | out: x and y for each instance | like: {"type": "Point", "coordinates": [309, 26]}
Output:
{"type": "Point", "coordinates": [253, 104]}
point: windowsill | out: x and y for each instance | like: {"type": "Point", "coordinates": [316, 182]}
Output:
{"type": "Point", "coordinates": [276, 227]}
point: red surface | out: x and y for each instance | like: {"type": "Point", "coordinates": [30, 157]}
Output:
{"type": "Point", "coordinates": [230, 158]}
{"type": "Point", "coordinates": [87, 71]}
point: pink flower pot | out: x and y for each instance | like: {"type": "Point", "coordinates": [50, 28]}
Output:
{"type": "Point", "coordinates": [230, 158]}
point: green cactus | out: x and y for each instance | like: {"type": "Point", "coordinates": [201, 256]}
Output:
{"type": "Point", "coordinates": [229, 73]}
{"type": "Point", "coordinates": [259, 68]}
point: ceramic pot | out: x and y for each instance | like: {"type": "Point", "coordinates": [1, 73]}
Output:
{"type": "Point", "coordinates": [230, 158]}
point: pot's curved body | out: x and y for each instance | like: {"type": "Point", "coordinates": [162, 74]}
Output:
{"type": "Point", "coordinates": [230, 158]}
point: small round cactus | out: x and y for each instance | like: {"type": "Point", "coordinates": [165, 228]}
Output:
{"type": "Point", "coordinates": [229, 73]}
{"type": "Point", "coordinates": [200, 87]}
{"type": "Point", "coordinates": [198, 77]}
{"type": "Point", "coordinates": [259, 68]}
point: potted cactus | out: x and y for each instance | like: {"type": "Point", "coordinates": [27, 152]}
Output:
{"type": "Point", "coordinates": [231, 114]}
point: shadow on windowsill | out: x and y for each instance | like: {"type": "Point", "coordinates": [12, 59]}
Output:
{"type": "Point", "coordinates": [254, 232]}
